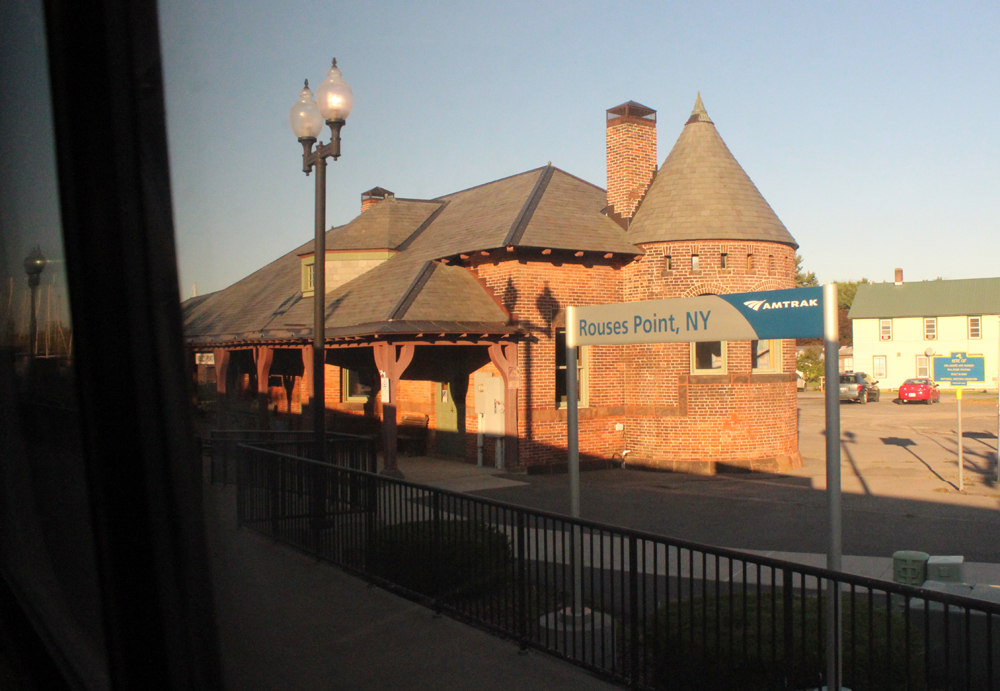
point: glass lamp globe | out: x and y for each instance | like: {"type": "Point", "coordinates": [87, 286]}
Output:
{"type": "Point", "coordinates": [304, 117]}
{"type": "Point", "coordinates": [35, 262]}
{"type": "Point", "coordinates": [334, 97]}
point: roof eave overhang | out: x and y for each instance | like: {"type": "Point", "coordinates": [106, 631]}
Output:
{"type": "Point", "coordinates": [431, 330]}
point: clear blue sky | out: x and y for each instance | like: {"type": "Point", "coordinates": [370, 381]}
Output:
{"type": "Point", "coordinates": [871, 128]}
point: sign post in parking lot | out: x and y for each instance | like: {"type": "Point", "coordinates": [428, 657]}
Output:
{"type": "Point", "coordinates": [773, 314]}
{"type": "Point", "coordinates": [960, 370]}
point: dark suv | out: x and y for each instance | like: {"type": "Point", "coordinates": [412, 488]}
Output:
{"type": "Point", "coordinates": [858, 386]}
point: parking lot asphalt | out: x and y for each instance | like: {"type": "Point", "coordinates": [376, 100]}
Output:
{"type": "Point", "coordinates": [900, 488]}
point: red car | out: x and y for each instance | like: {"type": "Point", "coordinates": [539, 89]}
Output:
{"type": "Point", "coordinates": [919, 390]}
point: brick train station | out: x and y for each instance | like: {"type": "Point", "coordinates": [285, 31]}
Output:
{"type": "Point", "coordinates": [457, 305]}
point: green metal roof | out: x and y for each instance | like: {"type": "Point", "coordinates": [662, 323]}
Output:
{"type": "Point", "coordinates": [927, 299]}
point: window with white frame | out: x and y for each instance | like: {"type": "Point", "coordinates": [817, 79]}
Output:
{"type": "Point", "coordinates": [975, 327]}
{"type": "Point", "coordinates": [351, 387]}
{"type": "Point", "coordinates": [708, 357]}
{"type": "Point", "coordinates": [930, 328]}
{"type": "Point", "coordinates": [765, 356]}
{"type": "Point", "coordinates": [923, 366]}
{"type": "Point", "coordinates": [695, 262]}
{"type": "Point", "coordinates": [308, 276]}
{"type": "Point", "coordinates": [885, 329]}
{"type": "Point", "coordinates": [878, 366]}
{"type": "Point", "coordinates": [582, 378]}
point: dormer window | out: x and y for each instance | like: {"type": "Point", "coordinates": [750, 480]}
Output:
{"type": "Point", "coordinates": [308, 273]}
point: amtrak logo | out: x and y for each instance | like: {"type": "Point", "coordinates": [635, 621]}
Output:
{"type": "Point", "coordinates": [757, 305]}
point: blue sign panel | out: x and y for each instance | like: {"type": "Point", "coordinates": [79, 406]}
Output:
{"type": "Point", "coordinates": [770, 314]}
{"type": "Point", "coordinates": [795, 313]}
{"type": "Point", "coordinates": [959, 368]}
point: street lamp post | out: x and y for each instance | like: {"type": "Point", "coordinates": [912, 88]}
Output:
{"type": "Point", "coordinates": [34, 264]}
{"type": "Point", "coordinates": [332, 105]}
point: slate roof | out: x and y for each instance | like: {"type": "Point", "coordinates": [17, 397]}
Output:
{"type": "Point", "coordinates": [702, 193]}
{"type": "Point", "coordinates": [384, 226]}
{"type": "Point", "coordinates": [412, 293]}
{"type": "Point", "coordinates": [927, 299]}
{"type": "Point", "coordinates": [405, 290]}
{"type": "Point", "coordinates": [544, 208]}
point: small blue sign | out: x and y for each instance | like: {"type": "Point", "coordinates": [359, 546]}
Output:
{"type": "Point", "coordinates": [959, 368]}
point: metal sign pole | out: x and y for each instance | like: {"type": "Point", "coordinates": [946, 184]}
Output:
{"type": "Point", "coordinates": [961, 461]}
{"type": "Point", "coordinates": [831, 346]}
{"type": "Point", "coordinates": [573, 458]}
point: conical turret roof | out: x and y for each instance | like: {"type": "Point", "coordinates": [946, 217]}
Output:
{"type": "Point", "coordinates": [702, 193]}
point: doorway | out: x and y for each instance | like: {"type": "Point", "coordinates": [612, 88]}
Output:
{"type": "Point", "coordinates": [449, 441]}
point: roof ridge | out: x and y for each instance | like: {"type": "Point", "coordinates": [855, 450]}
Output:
{"type": "Point", "coordinates": [405, 244]}
{"type": "Point", "coordinates": [411, 293]}
{"type": "Point", "coordinates": [484, 184]}
{"type": "Point", "coordinates": [520, 223]}
{"type": "Point", "coordinates": [413, 199]}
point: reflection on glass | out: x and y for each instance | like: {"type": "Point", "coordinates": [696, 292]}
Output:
{"type": "Point", "coordinates": [46, 541]}
{"type": "Point", "coordinates": [761, 353]}
{"type": "Point", "coordinates": [354, 389]}
{"type": "Point", "coordinates": [708, 355]}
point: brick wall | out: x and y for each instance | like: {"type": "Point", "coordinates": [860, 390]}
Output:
{"type": "Point", "coordinates": [536, 293]}
{"type": "Point", "coordinates": [682, 421]}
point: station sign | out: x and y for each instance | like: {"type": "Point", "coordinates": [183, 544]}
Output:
{"type": "Point", "coordinates": [959, 368]}
{"type": "Point", "coordinates": [770, 314]}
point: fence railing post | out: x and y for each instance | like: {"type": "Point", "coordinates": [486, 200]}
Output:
{"type": "Point", "coordinates": [633, 604]}
{"type": "Point", "coordinates": [241, 489]}
{"type": "Point", "coordinates": [788, 616]}
{"type": "Point", "coordinates": [522, 582]}
{"type": "Point", "coordinates": [371, 482]}
{"type": "Point", "coordinates": [274, 480]}
{"type": "Point", "coordinates": [319, 500]}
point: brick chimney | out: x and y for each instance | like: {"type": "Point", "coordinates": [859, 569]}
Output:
{"type": "Point", "coordinates": [899, 277]}
{"type": "Point", "coordinates": [373, 197]}
{"type": "Point", "coordinates": [631, 139]}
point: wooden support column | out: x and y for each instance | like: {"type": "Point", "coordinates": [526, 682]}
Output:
{"type": "Point", "coordinates": [221, 376]}
{"type": "Point", "coordinates": [391, 364]}
{"type": "Point", "coordinates": [504, 357]}
{"type": "Point", "coordinates": [263, 356]}
{"type": "Point", "coordinates": [306, 387]}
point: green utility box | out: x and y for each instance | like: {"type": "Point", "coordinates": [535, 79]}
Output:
{"type": "Point", "coordinates": [909, 566]}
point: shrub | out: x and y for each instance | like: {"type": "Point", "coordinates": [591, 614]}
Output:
{"type": "Point", "coordinates": [443, 559]}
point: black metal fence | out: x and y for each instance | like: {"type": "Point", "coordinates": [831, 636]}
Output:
{"type": "Point", "coordinates": [351, 451]}
{"type": "Point", "coordinates": [650, 611]}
